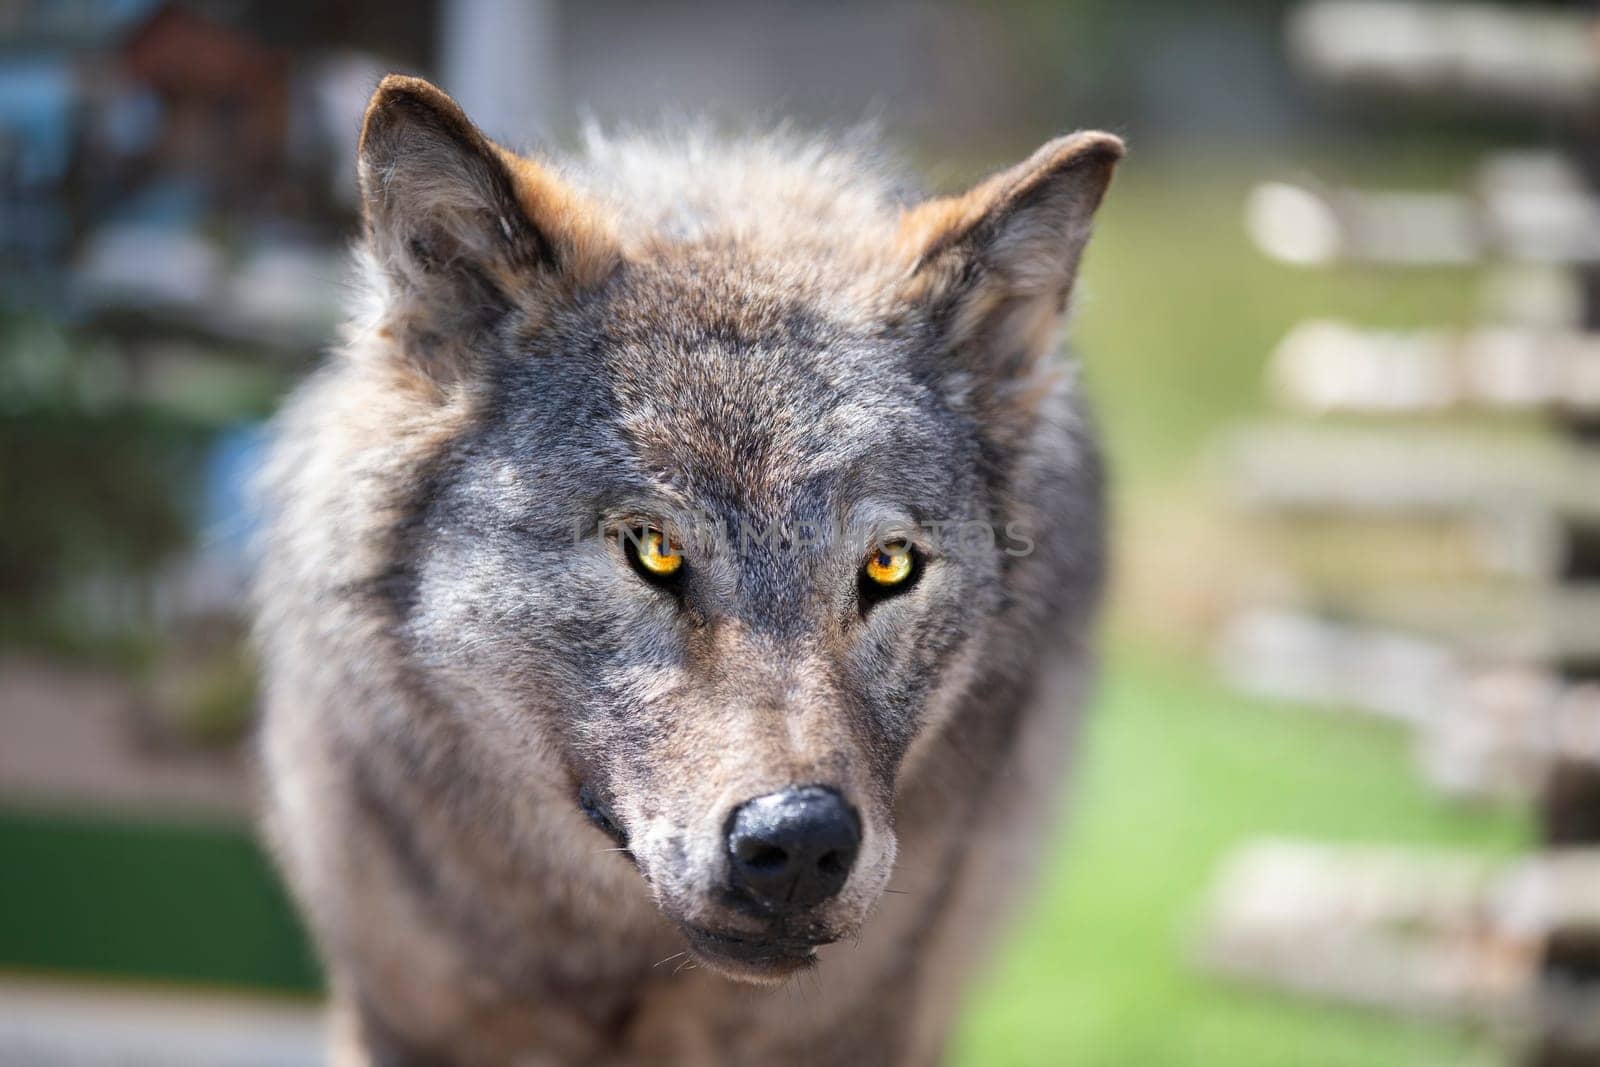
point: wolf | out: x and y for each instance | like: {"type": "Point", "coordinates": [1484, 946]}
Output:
{"type": "Point", "coordinates": [557, 778]}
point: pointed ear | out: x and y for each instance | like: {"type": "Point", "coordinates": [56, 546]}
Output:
{"type": "Point", "coordinates": [463, 229]}
{"type": "Point", "coordinates": [994, 267]}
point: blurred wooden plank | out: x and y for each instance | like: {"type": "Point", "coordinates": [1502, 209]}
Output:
{"type": "Point", "coordinates": [1417, 932]}
{"type": "Point", "coordinates": [1403, 470]}
{"type": "Point", "coordinates": [1309, 226]}
{"type": "Point", "coordinates": [1525, 207]}
{"type": "Point", "coordinates": [1486, 728]}
{"type": "Point", "coordinates": [1380, 927]}
{"type": "Point", "coordinates": [1557, 626]}
{"type": "Point", "coordinates": [1325, 557]}
{"type": "Point", "coordinates": [1469, 55]}
{"type": "Point", "coordinates": [1326, 366]}
{"type": "Point", "coordinates": [1504, 732]}
{"type": "Point", "coordinates": [1301, 657]}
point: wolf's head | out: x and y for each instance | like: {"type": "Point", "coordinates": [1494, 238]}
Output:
{"type": "Point", "coordinates": [722, 509]}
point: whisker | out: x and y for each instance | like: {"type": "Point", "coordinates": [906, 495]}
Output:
{"type": "Point", "coordinates": [669, 959]}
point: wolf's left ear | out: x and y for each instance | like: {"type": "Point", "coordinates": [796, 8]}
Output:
{"type": "Point", "coordinates": [995, 266]}
{"type": "Point", "coordinates": [463, 228]}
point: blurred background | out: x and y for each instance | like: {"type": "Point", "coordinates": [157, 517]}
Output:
{"type": "Point", "coordinates": [1340, 790]}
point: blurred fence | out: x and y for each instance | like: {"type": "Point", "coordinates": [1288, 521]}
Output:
{"type": "Point", "coordinates": [1437, 529]}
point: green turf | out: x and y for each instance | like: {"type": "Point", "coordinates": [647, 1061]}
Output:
{"type": "Point", "coordinates": [1177, 771]}
{"type": "Point", "coordinates": [175, 902]}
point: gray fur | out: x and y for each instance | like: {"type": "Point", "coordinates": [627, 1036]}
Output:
{"type": "Point", "coordinates": [764, 333]}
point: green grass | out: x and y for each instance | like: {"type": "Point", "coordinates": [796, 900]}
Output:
{"type": "Point", "coordinates": [175, 902]}
{"type": "Point", "coordinates": [1177, 771]}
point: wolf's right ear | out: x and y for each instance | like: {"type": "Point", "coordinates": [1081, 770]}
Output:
{"type": "Point", "coordinates": [463, 229]}
{"type": "Point", "coordinates": [994, 267]}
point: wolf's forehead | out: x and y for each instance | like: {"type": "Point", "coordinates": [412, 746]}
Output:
{"type": "Point", "coordinates": [754, 395]}
{"type": "Point", "coordinates": [758, 416]}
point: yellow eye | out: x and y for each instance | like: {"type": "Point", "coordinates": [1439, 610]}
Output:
{"type": "Point", "coordinates": [891, 564]}
{"type": "Point", "coordinates": [651, 553]}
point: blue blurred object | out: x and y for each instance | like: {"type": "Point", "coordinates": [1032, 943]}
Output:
{"type": "Point", "coordinates": [229, 518]}
{"type": "Point", "coordinates": [36, 99]}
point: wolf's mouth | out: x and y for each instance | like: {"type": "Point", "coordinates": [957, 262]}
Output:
{"type": "Point", "coordinates": [755, 958]}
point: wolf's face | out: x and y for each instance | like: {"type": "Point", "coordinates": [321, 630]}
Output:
{"type": "Point", "coordinates": [728, 514]}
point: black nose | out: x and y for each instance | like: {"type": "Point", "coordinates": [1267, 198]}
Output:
{"type": "Point", "coordinates": [793, 849]}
